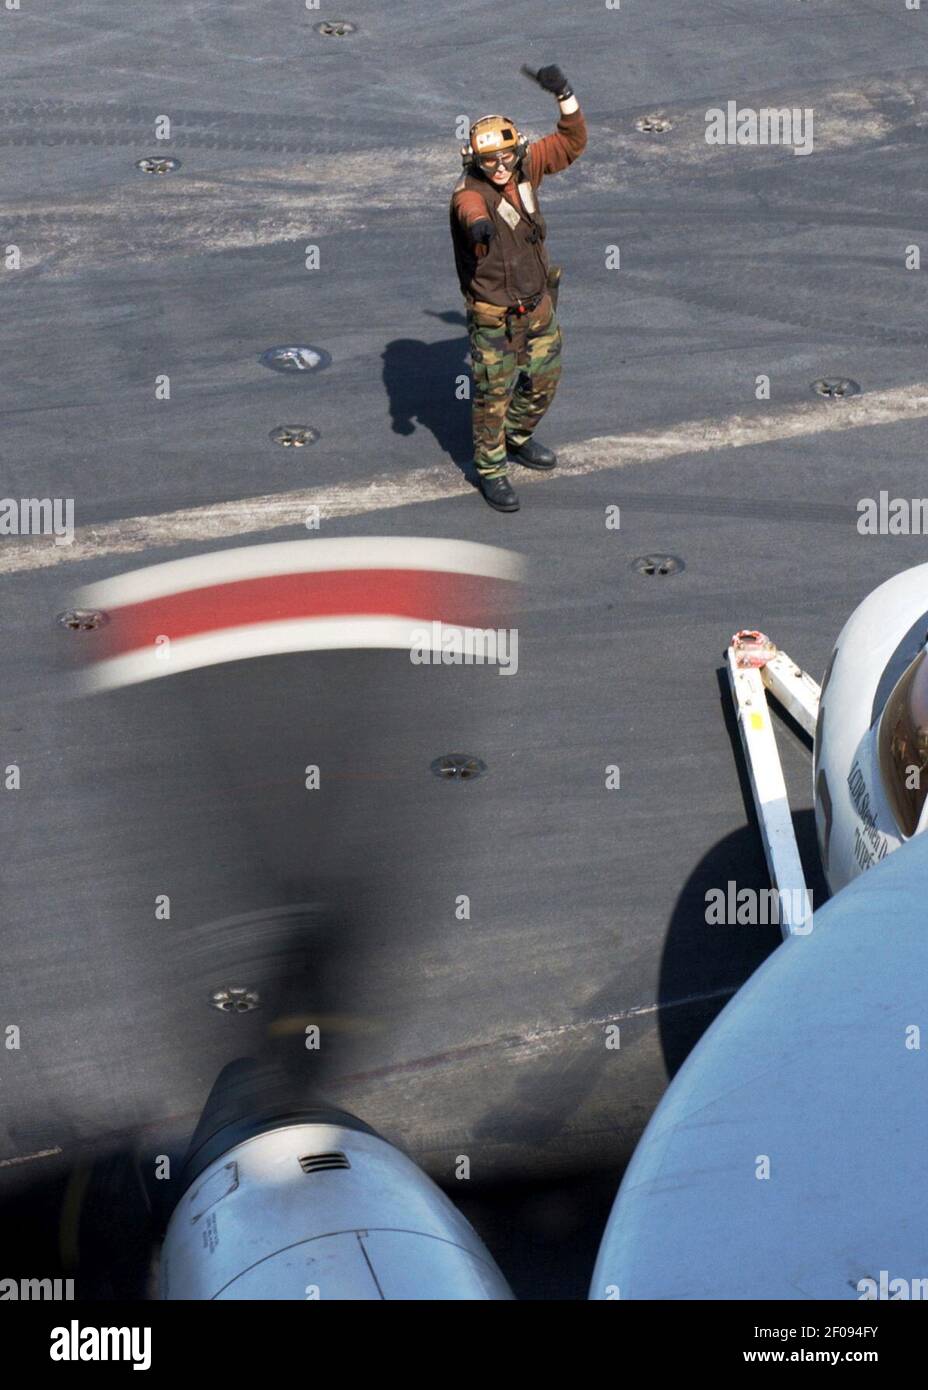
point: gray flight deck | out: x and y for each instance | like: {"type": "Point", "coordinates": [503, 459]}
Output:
{"type": "Point", "coordinates": [483, 1038]}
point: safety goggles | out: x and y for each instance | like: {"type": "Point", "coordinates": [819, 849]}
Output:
{"type": "Point", "coordinates": [490, 161]}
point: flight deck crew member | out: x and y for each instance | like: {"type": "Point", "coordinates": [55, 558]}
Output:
{"type": "Point", "coordinates": [502, 265]}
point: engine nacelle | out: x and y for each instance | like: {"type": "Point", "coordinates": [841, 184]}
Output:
{"type": "Point", "coordinates": [284, 1198]}
{"type": "Point", "coordinates": [321, 1211]}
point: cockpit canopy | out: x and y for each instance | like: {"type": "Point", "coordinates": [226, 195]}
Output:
{"type": "Point", "coordinates": [903, 745]}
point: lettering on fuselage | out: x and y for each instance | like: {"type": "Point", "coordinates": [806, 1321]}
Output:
{"type": "Point", "coordinates": [870, 844]}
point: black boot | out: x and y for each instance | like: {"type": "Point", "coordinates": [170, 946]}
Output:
{"type": "Point", "coordinates": [499, 493]}
{"type": "Point", "coordinates": [532, 455]}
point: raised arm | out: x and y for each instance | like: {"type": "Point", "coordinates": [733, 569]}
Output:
{"type": "Point", "coordinates": [557, 151]}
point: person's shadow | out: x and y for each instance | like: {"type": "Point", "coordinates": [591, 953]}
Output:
{"type": "Point", "coordinates": [422, 381]}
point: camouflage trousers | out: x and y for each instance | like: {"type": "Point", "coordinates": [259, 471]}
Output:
{"type": "Point", "coordinates": [514, 380]}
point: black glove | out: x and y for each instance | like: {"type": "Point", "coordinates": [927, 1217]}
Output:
{"type": "Point", "coordinates": [481, 231]}
{"type": "Point", "coordinates": [552, 80]}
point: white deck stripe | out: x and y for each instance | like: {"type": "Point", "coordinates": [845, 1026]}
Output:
{"type": "Point", "coordinates": [253, 515]}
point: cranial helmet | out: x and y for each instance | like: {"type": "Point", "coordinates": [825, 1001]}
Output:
{"type": "Point", "coordinates": [493, 135]}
